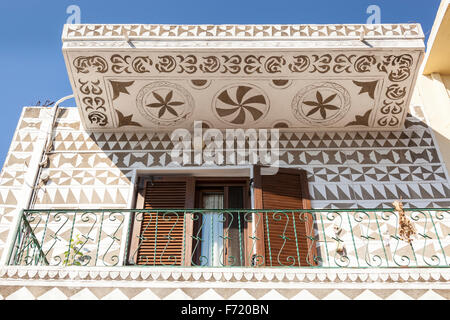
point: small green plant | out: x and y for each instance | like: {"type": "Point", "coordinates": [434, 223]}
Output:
{"type": "Point", "coordinates": [74, 256]}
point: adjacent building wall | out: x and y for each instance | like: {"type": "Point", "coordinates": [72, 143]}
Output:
{"type": "Point", "coordinates": [434, 95]}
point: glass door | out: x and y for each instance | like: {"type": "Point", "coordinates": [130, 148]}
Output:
{"type": "Point", "coordinates": [212, 247]}
{"type": "Point", "coordinates": [219, 234]}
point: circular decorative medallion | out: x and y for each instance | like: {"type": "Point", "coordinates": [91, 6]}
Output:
{"type": "Point", "coordinates": [165, 103]}
{"type": "Point", "coordinates": [241, 104]}
{"type": "Point", "coordinates": [323, 104]}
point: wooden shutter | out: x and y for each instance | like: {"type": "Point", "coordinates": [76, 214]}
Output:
{"type": "Point", "coordinates": [285, 234]}
{"type": "Point", "coordinates": [161, 237]}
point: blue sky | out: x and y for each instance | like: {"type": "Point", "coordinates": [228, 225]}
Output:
{"type": "Point", "coordinates": [32, 66]}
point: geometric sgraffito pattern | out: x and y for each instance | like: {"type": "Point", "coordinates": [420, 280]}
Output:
{"type": "Point", "coordinates": [151, 285]}
{"type": "Point", "coordinates": [345, 169]}
{"type": "Point", "coordinates": [386, 173]}
{"type": "Point", "coordinates": [231, 31]}
{"type": "Point", "coordinates": [425, 191]}
{"type": "Point", "coordinates": [69, 140]}
{"type": "Point", "coordinates": [86, 177]}
{"type": "Point", "coordinates": [15, 167]}
{"type": "Point", "coordinates": [114, 293]}
{"type": "Point", "coordinates": [95, 196]}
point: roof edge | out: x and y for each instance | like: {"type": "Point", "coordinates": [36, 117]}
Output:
{"type": "Point", "coordinates": [242, 32]}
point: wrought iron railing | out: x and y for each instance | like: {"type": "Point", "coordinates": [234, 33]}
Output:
{"type": "Point", "coordinates": [231, 238]}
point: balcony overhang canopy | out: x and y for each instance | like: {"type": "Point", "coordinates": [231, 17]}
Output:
{"type": "Point", "coordinates": [307, 77]}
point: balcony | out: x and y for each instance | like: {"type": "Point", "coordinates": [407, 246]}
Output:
{"type": "Point", "coordinates": [357, 238]}
{"type": "Point", "coordinates": [228, 238]}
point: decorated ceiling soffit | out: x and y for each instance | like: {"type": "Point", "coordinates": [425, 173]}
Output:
{"type": "Point", "coordinates": [300, 77]}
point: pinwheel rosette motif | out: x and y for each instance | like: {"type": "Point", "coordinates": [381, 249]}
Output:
{"type": "Point", "coordinates": [165, 103]}
{"type": "Point", "coordinates": [241, 105]}
{"type": "Point", "coordinates": [321, 104]}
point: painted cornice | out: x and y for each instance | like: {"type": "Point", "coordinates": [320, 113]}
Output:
{"type": "Point", "coordinates": [243, 275]}
{"type": "Point", "coordinates": [364, 74]}
{"type": "Point", "coordinates": [284, 31]}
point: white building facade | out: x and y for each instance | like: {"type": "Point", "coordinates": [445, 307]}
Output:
{"type": "Point", "coordinates": [229, 162]}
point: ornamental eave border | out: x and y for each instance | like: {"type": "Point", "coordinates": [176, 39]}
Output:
{"type": "Point", "coordinates": [245, 275]}
{"type": "Point", "coordinates": [244, 32]}
{"type": "Point", "coordinates": [142, 53]}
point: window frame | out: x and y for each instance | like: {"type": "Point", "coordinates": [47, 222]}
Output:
{"type": "Point", "coordinates": [192, 184]}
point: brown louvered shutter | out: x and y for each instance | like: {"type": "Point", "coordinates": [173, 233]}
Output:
{"type": "Point", "coordinates": [161, 237]}
{"type": "Point", "coordinates": [286, 241]}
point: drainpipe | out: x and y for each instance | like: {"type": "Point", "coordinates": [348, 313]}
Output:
{"type": "Point", "coordinates": [48, 147]}
{"type": "Point", "coordinates": [39, 159]}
